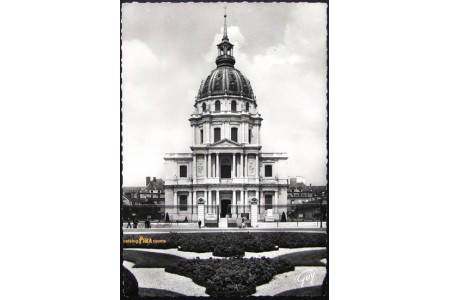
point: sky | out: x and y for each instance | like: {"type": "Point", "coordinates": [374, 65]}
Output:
{"type": "Point", "coordinates": [169, 48]}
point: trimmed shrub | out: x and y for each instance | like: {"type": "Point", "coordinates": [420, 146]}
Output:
{"type": "Point", "coordinates": [129, 284]}
{"type": "Point", "coordinates": [228, 251]}
{"type": "Point", "coordinates": [167, 218]}
{"type": "Point", "coordinates": [231, 276]}
{"type": "Point", "coordinates": [283, 217]}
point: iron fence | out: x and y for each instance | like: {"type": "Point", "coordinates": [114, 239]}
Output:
{"type": "Point", "coordinates": [312, 211]}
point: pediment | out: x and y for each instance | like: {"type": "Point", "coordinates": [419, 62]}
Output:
{"type": "Point", "coordinates": [225, 143]}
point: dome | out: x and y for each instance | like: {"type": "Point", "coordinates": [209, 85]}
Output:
{"type": "Point", "coordinates": [226, 80]}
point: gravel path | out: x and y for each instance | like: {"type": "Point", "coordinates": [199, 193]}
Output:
{"type": "Point", "coordinates": [300, 277]}
{"type": "Point", "coordinates": [281, 251]}
{"type": "Point", "coordinates": [206, 255]}
{"type": "Point", "coordinates": [157, 278]}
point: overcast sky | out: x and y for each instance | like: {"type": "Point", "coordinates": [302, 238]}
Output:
{"type": "Point", "coordinates": [169, 48]}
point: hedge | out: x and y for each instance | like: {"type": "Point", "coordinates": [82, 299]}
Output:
{"type": "Point", "coordinates": [231, 276]}
{"type": "Point", "coordinates": [252, 242]}
{"type": "Point", "coordinates": [129, 284]}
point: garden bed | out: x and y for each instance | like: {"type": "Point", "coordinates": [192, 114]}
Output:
{"type": "Point", "coordinates": [231, 277]}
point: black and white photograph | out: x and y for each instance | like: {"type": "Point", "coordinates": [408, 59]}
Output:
{"type": "Point", "coordinates": [223, 150]}
{"type": "Point", "coordinates": [224, 128]}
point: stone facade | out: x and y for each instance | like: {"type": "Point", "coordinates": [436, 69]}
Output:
{"type": "Point", "coordinates": [225, 167]}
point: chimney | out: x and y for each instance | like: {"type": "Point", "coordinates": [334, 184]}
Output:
{"type": "Point", "coordinates": [147, 180]}
{"type": "Point", "coordinates": [154, 179]}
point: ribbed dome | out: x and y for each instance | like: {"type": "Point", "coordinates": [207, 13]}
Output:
{"type": "Point", "coordinates": [226, 80]}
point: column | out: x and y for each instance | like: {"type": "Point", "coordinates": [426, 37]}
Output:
{"type": "Point", "coordinates": [238, 165]}
{"type": "Point", "coordinates": [233, 166]}
{"type": "Point", "coordinates": [233, 203]}
{"type": "Point", "coordinates": [207, 132]}
{"type": "Point", "coordinates": [208, 205]}
{"type": "Point", "coordinates": [254, 213]}
{"type": "Point", "coordinates": [194, 198]}
{"type": "Point", "coordinates": [242, 165]}
{"type": "Point", "coordinates": [193, 135]}
{"type": "Point", "coordinates": [194, 169]}
{"type": "Point", "coordinates": [210, 166]}
{"type": "Point", "coordinates": [190, 202]}
{"type": "Point", "coordinates": [175, 200]}
{"type": "Point", "coordinates": [259, 134]}
{"type": "Point", "coordinates": [217, 165]}
{"type": "Point", "coordinates": [246, 165]}
{"type": "Point", "coordinates": [241, 129]}
{"type": "Point", "coordinates": [201, 211]}
{"type": "Point", "coordinates": [275, 202]}
{"type": "Point", "coordinates": [257, 165]}
{"type": "Point", "coordinates": [205, 157]}
{"type": "Point", "coordinates": [223, 131]}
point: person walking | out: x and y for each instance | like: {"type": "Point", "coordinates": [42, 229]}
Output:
{"type": "Point", "coordinates": [199, 224]}
{"type": "Point", "coordinates": [129, 223]}
{"type": "Point", "coordinates": [135, 223]}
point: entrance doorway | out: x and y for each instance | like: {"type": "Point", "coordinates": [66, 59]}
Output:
{"type": "Point", "coordinates": [225, 208]}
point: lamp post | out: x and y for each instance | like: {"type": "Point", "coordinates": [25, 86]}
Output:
{"type": "Point", "coordinates": [321, 211]}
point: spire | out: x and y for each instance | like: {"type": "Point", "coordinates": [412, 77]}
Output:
{"type": "Point", "coordinates": [225, 35]}
{"type": "Point", "coordinates": [225, 48]}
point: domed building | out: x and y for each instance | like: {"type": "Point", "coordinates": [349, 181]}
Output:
{"type": "Point", "coordinates": [225, 169]}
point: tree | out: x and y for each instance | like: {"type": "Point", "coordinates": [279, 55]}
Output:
{"type": "Point", "coordinates": [129, 284]}
{"type": "Point", "coordinates": [283, 217]}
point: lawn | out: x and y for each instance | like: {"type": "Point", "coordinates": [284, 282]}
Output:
{"type": "Point", "coordinates": [151, 260]}
{"type": "Point", "coordinates": [306, 258]}
{"type": "Point", "coordinates": [302, 292]}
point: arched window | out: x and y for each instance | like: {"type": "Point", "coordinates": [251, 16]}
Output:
{"type": "Point", "coordinates": [233, 106]}
{"type": "Point", "coordinates": [217, 106]}
{"type": "Point", "coordinates": [204, 107]}
{"type": "Point", "coordinates": [247, 106]}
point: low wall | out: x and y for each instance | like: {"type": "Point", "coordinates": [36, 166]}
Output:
{"type": "Point", "coordinates": [291, 224]}
{"type": "Point", "coordinates": [166, 225]}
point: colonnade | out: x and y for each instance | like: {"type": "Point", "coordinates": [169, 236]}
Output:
{"type": "Point", "coordinates": [238, 165]}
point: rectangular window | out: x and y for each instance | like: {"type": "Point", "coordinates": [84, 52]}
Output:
{"type": "Point", "coordinates": [249, 136]}
{"type": "Point", "coordinates": [216, 134]}
{"type": "Point", "coordinates": [183, 202]}
{"type": "Point", "coordinates": [201, 136]}
{"type": "Point", "coordinates": [268, 202]}
{"type": "Point", "coordinates": [183, 171]}
{"type": "Point", "coordinates": [234, 134]}
{"type": "Point", "coordinates": [268, 171]}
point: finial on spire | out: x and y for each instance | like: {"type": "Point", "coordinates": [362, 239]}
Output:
{"type": "Point", "coordinates": [225, 35]}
